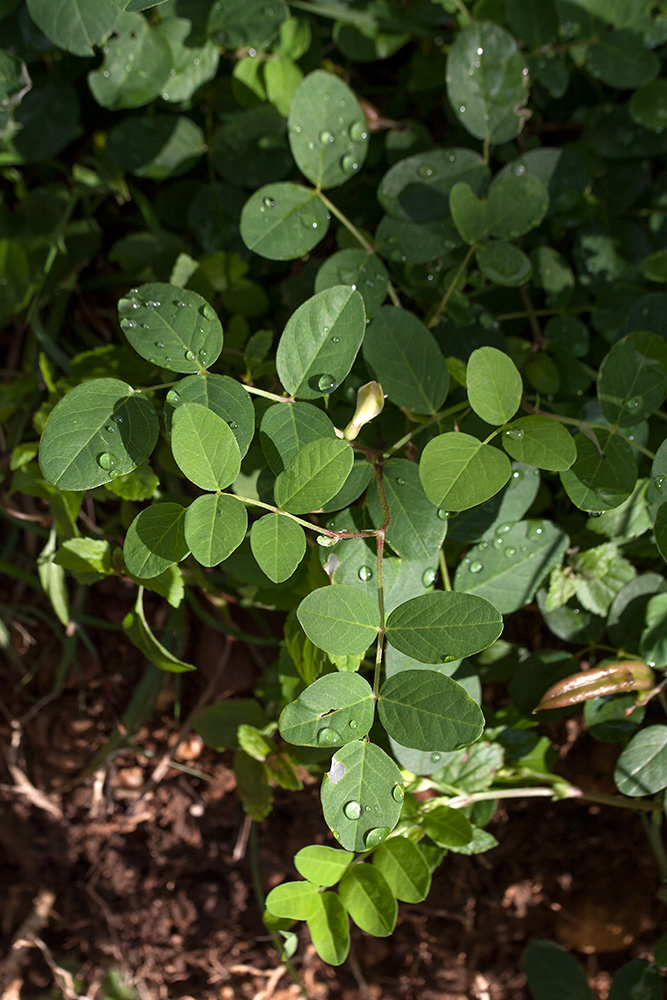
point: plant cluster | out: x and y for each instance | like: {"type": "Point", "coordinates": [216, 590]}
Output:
{"type": "Point", "coordinates": [435, 237]}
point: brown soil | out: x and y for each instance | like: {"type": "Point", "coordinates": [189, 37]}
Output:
{"type": "Point", "coordinates": [156, 882]}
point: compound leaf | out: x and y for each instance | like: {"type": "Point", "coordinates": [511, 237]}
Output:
{"type": "Point", "coordinates": [322, 865]}
{"type": "Point", "coordinates": [329, 929]}
{"type": "Point", "coordinates": [155, 540]}
{"type": "Point", "coordinates": [405, 869]}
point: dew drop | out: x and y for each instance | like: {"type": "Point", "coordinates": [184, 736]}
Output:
{"type": "Point", "coordinates": [173, 397]}
{"type": "Point", "coordinates": [352, 809]}
{"type": "Point", "coordinates": [633, 403]}
{"type": "Point", "coordinates": [208, 312]}
{"type": "Point", "coordinates": [269, 202]}
{"type": "Point", "coordinates": [510, 552]}
{"type": "Point", "coordinates": [118, 420]}
{"type": "Point", "coordinates": [110, 428]}
{"type": "Point", "coordinates": [462, 109]}
{"type": "Point", "coordinates": [203, 354]}
{"type": "Point", "coordinates": [114, 473]}
{"type": "Point", "coordinates": [443, 514]}
{"type": "Point", "coordinates": [475, 567]}
{"type": "Point", "coordinates": [435, 758]}
{"type": "Point", "coordinates": [365, 573]}
{"type": "Point", "coordinates": [659, 483]}
{"type": "Point", "coordinates": [326, 137]}
{"type": "Point", "coordinates": [334, 340]}
{"type": "Point", "coordinates": [328, 737]}
{"type": "Point", "coordinates": [503, 528]}
{"type": "Point", "coordinates": [400, 481]}
{"type": "Point", "coordinates": [353, 723]}
{"type": "Point", "coordinates": [498, 542]}
{"type": "Point", "coordinates": [424, 171]}
{"type": "Point", "coordinates": [233, 426]}
{"type": "Point", "coordinates": [514, 433]}
{"type": "Point", "coordinates": [376, 836]}
{"type": "Point", "coordinates": [107, 461]}
{"type": "Point", "coordinates": [189, 356]}
{"type": "Point", "coordinates": [534, 531]}
{"type": "Point", "coordinates": [358, 132]}
{"type": "Point", "coordinates": [428, 577]}
{"type": "Point", "coordinates": [159, 345]}
{"type": "Point", "coordinates": [152, 304]}
{"type": "Point", "coordinates": [398, 793]}
{"type": "Point", "coordinates": [349, 163]}
{"type": "Point", "coordinates": [128, 324]}
{"type": "Point", "coordinates": [326, 384]}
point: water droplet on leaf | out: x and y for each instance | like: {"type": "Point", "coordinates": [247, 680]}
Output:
{"type": "Point", "coordinates": [349, 163]}
{"type": "Point", "coordinates": [173, 397]}
{"type": "Point", "coordinates": [428, 577]}
{"type": "Point", "coordinates": [534, 531]}
{"type": "Point", "coordinates": [107, 461]}
{"type": "Point", "coordinates": [358, 132]}
{"type": "Point", "coordinates": [515, 433]}
{"type": "Point", "coordinates": [326, 384]}
{"type": "Point", "coordinates": [268, 202]}
{"type": "Point", "coordinates": [208, 312]}
{"type": "Point", "coordinates": [326, 137]}
{"type": "Point", "coordinates": [365, 573]}
{"type": "Point", "coordinates": [352, 809]}
{"type": "Point", "coordinates": [128, 324]}
{"type": "Point", "coordinates": [328, 737]}
{"type": "Point", "coordinates": [475, 567]}
{"type": "Point", "coordinates": [443, 515]}
{"type": "Point", "coordinates": [398, 793]}
{"type": "Point", "coordinates": [376, 836]}
{"type": "Point", "coordinates": [189, 356]}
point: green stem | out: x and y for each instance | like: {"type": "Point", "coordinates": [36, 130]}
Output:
{"type": "Point", "coordinates": [380, 581]}
{"type": "Point", "coordinates": [293, 517]}
{"type": "Point", "coordinates": [538, 338]}
{"type": "Point", "coordinates": [572, 792]}
{"type": "Point", "coordinates": [267, 395]}
{"type": "Point", "coordinates": [576, 422]}
{"type": "Point", "coordinates": [361, 239]}
{"type": "Point", "coordinates": [436, 418]}
{"type": "Point", "coordinates": [444, 572]}
{"type": "Point", "coordinates": [442, 305]}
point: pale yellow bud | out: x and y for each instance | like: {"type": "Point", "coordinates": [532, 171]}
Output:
{"type": "Point", "coordinates": [370, 401]}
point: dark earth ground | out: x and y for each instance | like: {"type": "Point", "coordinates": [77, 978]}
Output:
{"type": "Point", "coordinates": [156, 882]}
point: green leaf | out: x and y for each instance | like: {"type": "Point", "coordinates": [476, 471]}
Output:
{"type": "Point", "coordinates": [155, 540]}
{"type": "Point", "coordinates": [468, 212]}
{"type": "Point", "coordinates": [314, 475]}
{"type": "Point", "coordinates": [252, 786]}
{"type": "Point", "coordinates": [52, 579]}
{"type": "Point", "coordinates": [416, 530]}
{"type": "Point", "coordinates": [458, 471]}
{"type": "Point", "coordinates": [218, 724]}
{"type": "Point", "coordinates": [140, 635]}
{"type": "Point", "coordinates": [369, 900]}
{"type": "Point", "coordinates": [639, 980]}
{"type": "Point", "coordinates": [329, 929]}
{"type": "Point", "coordinates": [328, 133]}
{"type": "Point", "coordinates": [75, 25]}
{"type": "Point", "coordinates": [278, 544]}
{"type": "Point", "coordinates": [171, 326]}
{"type": "Point", "coordinates": [156, 146]}
{"type": "Point", "coordinates": [222, 395]}
{"type": "Point", "coordinates": [510, 504]}
{"type": "Point", "coordinates": [296, 900]}
{"type": "Point", "coordinates": [97, 432]}
{"type": "Point", "coordinates": [648, 105]}
{"type": "Point", "coordinates": [600, 574]}
{"type": "Point", "coordinates": [487, 82]}
{"type": "Point", "coordinates": [503, 263]}
{"type": "Point", "coordinates": [553, 974]}
{"type": "Point", "coordinates": [237, 24]}
{"type": "Point", "coordinates": [204, 447]}
{"type": "Point", "coordinates": [642, 767]}
{"type": "Point", "coordinates": [540, 441]}
{"type": "Point", "coordinates": [215, 525]}
{"type": "Point", "coordinates": [516, 204]}
{"type": "Point", "coordinates": [447, 827]}
{"type": "Point", "coordinates": [116, 83]}
{"type": "Point", "coordinates": [508, 568]}
{"type": "Point", "coordinates": [415, 242]}
{"type": "Point", "coordinates": [404, 868]}
{"type": "Point", "coordinates": [660, 530]}
{"type": "Point", "coordinates": [137, 4]}
{"type": "Point", "coordinates": [340, 620]}
{"type": "Point", "coordinates": [283, 221]}
{"type": "Point", "coordinates": [494, 385]}
{"type": "Point", "coordinates": [535, 24]}
{"type": "Point", "coordinates": [443, 626]}
{"type": "Point", "coordinates": [424, 709]}
{"type": "Point", "coordinates": [361, 796]}
{"type": "Point", "coordinates": [419, 188]}
{"type": "Point", "coordinates": [364, 271]}
{"type": "Point", "coordinates": [320, 342]}
{"type": "Point", "coordinates": [352, 488]}
{"type": "Point", "coordinates": [620, 59]}
{"type": "Point", "coordinates": [85, 555]}
{"type": "Point", "coordinates": [405, 359]}
{"type": "Point", "coordinates": [285, 429]}
{"type": "Point", "coordinates": [633, 379]}
{"type": "Point", "coordinates": [322, 865]}
{"type": "Point", "coordinates": [191, 67]}
{"type": "Point", "coordinates": [600, 481]}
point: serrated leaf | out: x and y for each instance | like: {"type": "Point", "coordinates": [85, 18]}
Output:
{"type": "Point", "coordinates": [278, 544]}
{"type": "Point", "coordinates": [494, 385]}
{"type": "Point", "coordinates": [140, 635]}
{"type": "Point", "coordinates": [320, 342]}
{"type": "Point", "coordinates": [405, 359]}
{"type": "Point", "coordinates": [424, 709]}
{"type": "Point", "coordinates": [97, 432]}
{"type": "Point", "coordinates": [340, 620]}
{"type": "Point", "coordinates": [359, 800]}
{"type": "Point", "coordinates": [221, 394]}
{"type": "Point", "coordinates": [296, 900]}
{"type": "Point", "coordinates": [329, 929]}
{"type": "Point", "coordinates": [215, 525]}
{"type": "Point", "coordinates": [314, 475]}
{"type": "Point", "coordinates": [458, 471]}
{"type": "Point", "coordinates": [283, 221]}
{"type": "Point", "coordinates": [322, 865]}
{"type": "Point", "coordinates": [404, 868]}
{"type": "Point", "coordinates": [368, 899]}
{"type": "Point", "coordinates": [633, 379]}
{"type": "Point", "coordinates": [542, 442]}
{"type": "Point", "coordinates": [171, 326]}
{"type": "Point", "coordinates": [155, 540]}
{"type": "Point", "coordinates": [442, 626]}
{"type": "Point", "coordinates": [600, 479]}
{"type": "Point", "coordinates": [487, 82]}
{"type": "Point", "coordinates": [285, 429]}
{"type": "Point", "coordinates": [328, 133]}
{"type": "Point", "coordinates": [204, 447]}
{"type": "Point", "coordinates": [507, 569]}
